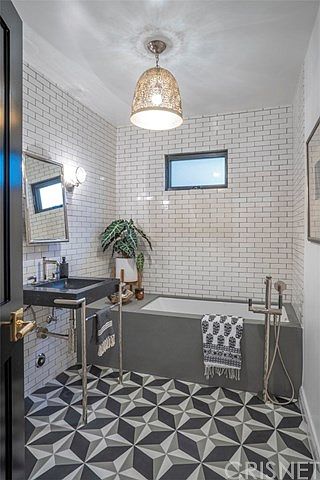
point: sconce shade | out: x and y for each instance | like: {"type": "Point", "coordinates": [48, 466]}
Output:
{"type": "Point", "coordinates": [80, 175]}
{"type": "Point", "coordinates": [157, 102]}
{"type": "Point", "coordinates": [74, 177]}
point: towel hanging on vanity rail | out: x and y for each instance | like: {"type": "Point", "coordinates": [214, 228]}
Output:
{"type": "Point", "coordinates": [221, 336]}
{"type": "Point", "coordinates": [105, 335]}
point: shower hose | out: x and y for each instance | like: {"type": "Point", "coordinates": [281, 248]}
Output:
{"type": "Point", "coordinates": [277, 329]}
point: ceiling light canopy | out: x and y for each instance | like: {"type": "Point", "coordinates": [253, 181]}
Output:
{"type": "Point", "coordinates": [157, 102]}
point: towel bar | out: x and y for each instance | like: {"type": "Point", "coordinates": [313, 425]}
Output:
{"type": "Point", "coordinates": [120, 338]}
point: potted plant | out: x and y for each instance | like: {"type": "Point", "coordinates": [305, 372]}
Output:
{"type": "Point", "coordinates": [125, 237]}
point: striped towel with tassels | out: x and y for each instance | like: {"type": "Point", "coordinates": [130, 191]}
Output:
{"type": "Point", "coordinates": [105, 335]}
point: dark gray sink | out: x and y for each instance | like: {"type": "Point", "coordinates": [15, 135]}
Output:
{"type": "Point", "coordinates": [69, 283]}
{"type": "Point", "coordinates": [92, 289]}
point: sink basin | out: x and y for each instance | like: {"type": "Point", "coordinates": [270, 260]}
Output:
{"type": "Point", "coordinates": [69, 283]}
{"type": "Point", "coordinates": [92, 289]}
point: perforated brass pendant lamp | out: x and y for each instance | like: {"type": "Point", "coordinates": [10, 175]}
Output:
{"type": "Point", "coordinates": [157, 102]}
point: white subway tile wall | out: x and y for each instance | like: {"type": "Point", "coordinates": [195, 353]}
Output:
{"type": "Point", "coordinates": [213, 242]}
{"type": "Point", "coordinates": [299, 198]}
{"type": "Point", "coordinates": [59, 127]}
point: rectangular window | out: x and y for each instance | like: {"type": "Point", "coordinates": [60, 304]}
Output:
{"type": "Point", "coordinates": [197, 170]}
{"type": "Point", "coordinates": [47, 195]}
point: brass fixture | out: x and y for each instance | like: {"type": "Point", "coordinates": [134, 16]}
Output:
{"type": "Point", "coordinates": [18, 327]}
{"type": "Point", "coordinates": [43, 332]}
{"type": "Point", "coordinates": [157, 102]}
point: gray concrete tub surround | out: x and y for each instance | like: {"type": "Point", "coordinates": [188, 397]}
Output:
{"type": "Point", "coordinates": [170, 345]}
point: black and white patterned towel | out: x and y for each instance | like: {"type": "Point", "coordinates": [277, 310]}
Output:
{"type": "Point", "coordinates": [104, 331]}
{"type": "Point", "coordinates": [222, 336]}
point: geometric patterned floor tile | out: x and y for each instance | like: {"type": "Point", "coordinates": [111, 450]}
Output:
{"type": "Point", "coordinates": [153, 428]}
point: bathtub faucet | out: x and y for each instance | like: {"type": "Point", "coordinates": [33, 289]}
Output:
{"type": "Point", "coordinates": [268, 309]}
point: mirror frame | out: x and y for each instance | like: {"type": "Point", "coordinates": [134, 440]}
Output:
{"type": "Point", "coordinates": [311, 237]}
{"type": "Point", "coordinates": [29, 240]}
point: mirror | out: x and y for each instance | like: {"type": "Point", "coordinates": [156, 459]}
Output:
{"type": "Point", "coordinates": [45, 202]}
{"type": "Point", "coordinates": [313, 173]}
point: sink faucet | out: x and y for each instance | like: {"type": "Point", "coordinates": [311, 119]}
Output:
{"type": "Point", "coordinates": [46, 262]}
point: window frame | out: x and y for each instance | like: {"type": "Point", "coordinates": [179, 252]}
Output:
{"type": "Point", "coordinates": [169, 158]}
{"type": "Point", "coordinates": [36, 187]}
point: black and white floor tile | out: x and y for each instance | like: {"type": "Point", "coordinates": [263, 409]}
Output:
{"type": "Point", "coordinates": [153, 428]}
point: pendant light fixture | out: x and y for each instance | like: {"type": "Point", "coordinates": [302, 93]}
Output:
{"type": "Point", "coordinates": [157, 102]}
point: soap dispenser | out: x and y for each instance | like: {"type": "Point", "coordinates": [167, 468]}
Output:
{"type": "Point", "coordinates": [64, 268]}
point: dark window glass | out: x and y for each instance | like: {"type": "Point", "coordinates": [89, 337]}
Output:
{"type": "Point", "coordinates": [47, 195]}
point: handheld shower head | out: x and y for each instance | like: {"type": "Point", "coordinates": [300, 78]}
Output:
{"type": "Point", "coordinates": [280, 287]}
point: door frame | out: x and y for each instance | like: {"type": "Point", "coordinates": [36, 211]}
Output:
{"type": "Point", "coordinates": [12, 364]}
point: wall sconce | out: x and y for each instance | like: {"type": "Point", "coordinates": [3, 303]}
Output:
{"type": "Point", "coordinates": [74, 177]}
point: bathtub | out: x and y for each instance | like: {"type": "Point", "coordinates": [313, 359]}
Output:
{"type": "Point", "coordinates": [162, 336]}
{"type": "Point", "coordinates": [201, 307]}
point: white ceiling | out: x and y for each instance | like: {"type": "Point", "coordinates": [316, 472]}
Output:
{"type": "Point", "coordinates": [227, 55]}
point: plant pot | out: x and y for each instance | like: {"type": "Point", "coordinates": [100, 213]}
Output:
{"type": "Point", "coordinates": [139, 293]}
{"type": "Point", "coordinates": [129, 267]}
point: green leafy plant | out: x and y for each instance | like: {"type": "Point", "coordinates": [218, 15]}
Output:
{"type": "Point", "coordinates": [124, 236]}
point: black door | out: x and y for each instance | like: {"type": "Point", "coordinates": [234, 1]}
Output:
{"type": "Point", "coordinates": [11, 367]}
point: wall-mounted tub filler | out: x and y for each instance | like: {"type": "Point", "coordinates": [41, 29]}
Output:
{"type": "Point", "coordinates": [268, 311]}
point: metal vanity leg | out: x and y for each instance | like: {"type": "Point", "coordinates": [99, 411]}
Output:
{"type": "Point", "coordinates": [120, 328]}
{"type": "Point", "coordinates": [84, 363]}
{"type": "Point", "coordinates": [82, 304]}
{"type": "Point", "coordinates": [72, 332]}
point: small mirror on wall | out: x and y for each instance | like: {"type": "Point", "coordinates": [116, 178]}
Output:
{"type": "Point", "coordinates": [45, 202]}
